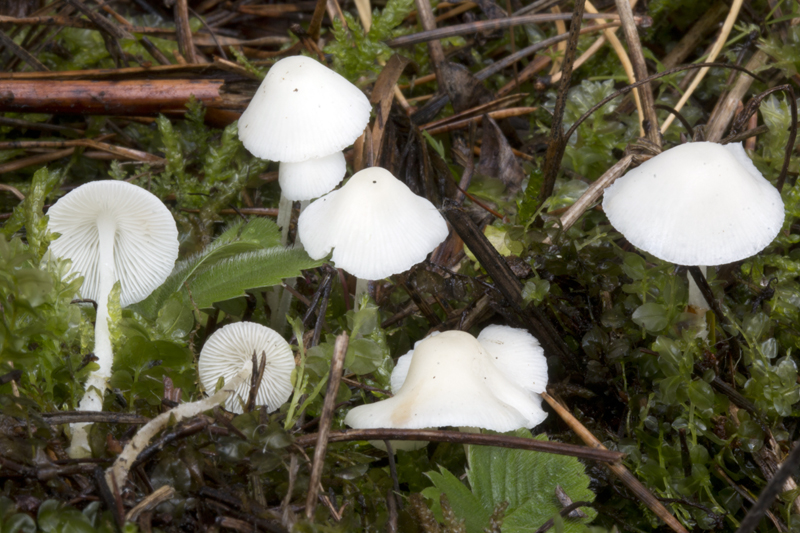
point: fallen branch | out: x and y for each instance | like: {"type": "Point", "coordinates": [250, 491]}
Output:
{"type": "Point", "coordinates": [500, 441]}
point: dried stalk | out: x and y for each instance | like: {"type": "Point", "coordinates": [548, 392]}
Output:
{"type": "Point", "coordinates": [337, 364]}
{"type": "Point", "coordinates": [617, 469]}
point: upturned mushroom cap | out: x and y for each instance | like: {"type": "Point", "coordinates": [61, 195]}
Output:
{"type": "Point", "coordinates": [302, 110]}
{"type": "Point", "coordinates": [696, 204]}
{"type": "Point", "coordinates": [145, 239]}
{"type": "Point", "coordinates": [312, 178]}
{"type": "Point", "coordinates": [231, 348]}
{"type": "Point", "coordinates": [375, 225]}
{"type": "Point", "coordinates": [452, 381]}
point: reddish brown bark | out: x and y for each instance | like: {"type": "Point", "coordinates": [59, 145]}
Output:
{"type": "Point", "coordinates": [130, 97]}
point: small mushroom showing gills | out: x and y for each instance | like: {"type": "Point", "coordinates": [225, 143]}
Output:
{"type": "Point", "coordinates": [230, 349]}
{"type": "Point", "coordinates": [375, 225]}
{"type": "Point", "coordinates": [301, 113]}
{"type": "Point", "coordinates": [111, 231]}
{"type": "Point", "coordinates": [453, 379]}
{"type": "Point", "coordinates": [697, 204]}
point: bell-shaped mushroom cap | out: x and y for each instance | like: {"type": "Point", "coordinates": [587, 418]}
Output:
{"type": "Point", "coordinates": [375, 225]}
{"type": "Point", "coordinates": [452, 381]}
{"type": "Point", "coordinates": [696, 204]}
{"type": "Point", "coordinates": [145, 240]}
{"type": "Point", "coordinates": [302, 110]}
{"type": "Point", "coordinates": [231, 348]}
{"type": "Point", "coordinates": [312, 178]}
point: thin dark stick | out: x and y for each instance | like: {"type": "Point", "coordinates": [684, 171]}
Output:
{"type": "Point", "coordinates": [649, 118]}
{"type": "Point", "coordinates": [632, 86]}
{"type": "Point", "coordinates": [500, 441]}
{"type": "Point", "coordinates": [326, 280]}
{"type": "Point", "coordinates": [184, 31]}
{"type": "Point", "coordinates": [489, 25]}
{"type": "Point", "coordinates": [506, 282]}
{"type": "Point", "coordinates": [255, 379]}
{"type": "Point", "coordinates": [71, 417]}
{"type": "Point", "coordinates": [555, 148]}
{"type": "Point", "coordinates": [316, 20]}
{"type": "Point", "coordinates": [510, 59]}
{"type": "Point", "coordinates": [708, 294]}
{"type": "Point", "coordinates": [21, 53]}
{"type": "Point", "coordinates": [678, 115]}
{"type": "Point", "coordinates": [563, 512]}
{"type": "Point", "coordinates": [393, 472]}
{"type": "Point", "coordinates": [771, 491]}
{"type": "Point", "coordinates": [337, 364]}
{"type": "Point", "coordinates": [323, 306]}
{"type": "Point", "coordinates": [101, 22]}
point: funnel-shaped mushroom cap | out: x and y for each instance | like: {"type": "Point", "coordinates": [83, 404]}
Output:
{"type": "Point", "coordinates": [231, 348]}
{"type": "Point", "coordinates": [302, 110]}
{"type": "Point", "coordinates": [452, 381]}
{"type": "Point", "coordinates": [145, 236]}
{"type": "Point", "coordinates": [696, 204]}
{"type": "Point", "coordinates": [375, 225]}
{"type": "Point", "coordinates": [312, 178]}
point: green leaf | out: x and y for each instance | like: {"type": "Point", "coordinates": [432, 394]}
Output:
{"type": "Point", "coordinates": [237, 239]}
{"type": "Point", "coordinates": [465, 504]}
{"type": "Point", "coordinates": [230, 277]}
{"type": "Point", "coordinates": [527, 481]}
{"type": "Point", "coordinates": [652, 317]}
{"type": "Point", "coordinates": [363, 356]}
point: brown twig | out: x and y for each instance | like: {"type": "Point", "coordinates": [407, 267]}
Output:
{"type": "Point", "coordinates": [490, 25]}
{"type": "Point", "coordinates": [21, 53]}
{"type": "Point", "coordinates": [592, 194]}
{"type": "Point", "coordinates": [478, 439]}
{"type": "Point", "coordinates": [337, 363]}
{"type": "Point", "coordinates": [617, 469]}
{"type": "Point", "coordinates": [184, 31]}
{"type": "Point", "coordinates": [636, 54]}
{"type": "Point", "coordinates": [555, 148]}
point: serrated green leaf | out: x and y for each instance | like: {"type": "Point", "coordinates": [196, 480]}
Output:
{"type": "Point", "coordinates": [527, 481]}
{"type": "Point", "coordinates": [230, 277]}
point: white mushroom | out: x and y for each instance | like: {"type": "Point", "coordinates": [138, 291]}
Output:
{"type": "Point", "coordinates": [231, 348]}
{"type": "Point", "coordinates": [302, 111]}
{"type": "Point", "coordinates": [452, 380]}
{"type": "Point", "coordinates": [112, 231]}
{"type": "Point", "coordinates": [374, 224]}
{"type": "Point", "coordinates": [696, 204]}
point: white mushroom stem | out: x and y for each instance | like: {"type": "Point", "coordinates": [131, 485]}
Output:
{"type": "Point", "coordinates": [103, 350]}
{"type": "Point", "coordinates": [118, 472]}
{"type": "Point", "coordinates": [696, 298]}
{"type": "Point", "coordinates": [362, 288]}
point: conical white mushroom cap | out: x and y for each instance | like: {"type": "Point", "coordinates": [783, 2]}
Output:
{"type": "Point", "coordinates": [231, 348]}
{"type": "Point", "coordinates": [302, 110]}
{"type": "Point", "coordinates": [145, 242]}
{"type": "Point", "coordinates": [312, 178]}
{"type": "Point", "coordinates": [375, 225]}
{"type": "Point", "coordinates": [452, 381]}
{"type": "Point", "coordinates": [696, 204]}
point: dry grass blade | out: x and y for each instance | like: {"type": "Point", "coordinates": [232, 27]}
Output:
{"type": "Point", "coordinates": [717, 48]}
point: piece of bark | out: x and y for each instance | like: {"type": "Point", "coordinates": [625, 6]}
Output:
{"type": "Point", "coordinates": [497, 160]}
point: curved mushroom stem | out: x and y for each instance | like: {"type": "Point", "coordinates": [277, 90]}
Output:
{"type": "Point", "coordinates": [696, 298]}
{"type": "Point", "coordinates": [103, 350]}
{"type": "Point", "coordinates": [118, 472]}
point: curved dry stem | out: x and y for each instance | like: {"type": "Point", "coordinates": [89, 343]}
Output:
{"type": "Point", "coordinates": [118, 472]}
